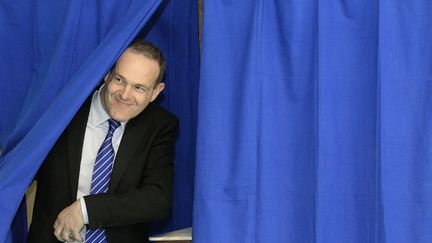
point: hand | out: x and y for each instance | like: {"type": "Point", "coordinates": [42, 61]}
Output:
{"type": "Point", "coordinates": [69, 223]}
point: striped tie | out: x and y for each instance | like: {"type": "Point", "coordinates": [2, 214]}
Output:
{"type": "Point", "coordinates": [101, 177]}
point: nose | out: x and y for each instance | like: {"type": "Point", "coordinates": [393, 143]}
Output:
{"type": "Point", "coordinates": [125, 92]}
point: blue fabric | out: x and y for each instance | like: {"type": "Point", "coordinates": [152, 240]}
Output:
{"type": "Point", "coordinates": [174, 27]}
{"type": "Point", "coordinates": [55, 53]}
{"type": "Point", "coordinates": [16, 59]}
{"type": "Point", "coordinates": [315, 122]}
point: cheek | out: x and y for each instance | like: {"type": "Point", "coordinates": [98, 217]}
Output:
{"type": "Point", "coordinates": [111, 90]}
{"type": "Point", "coordinates": [142, 102]}
{"type": "Point", "coordinates": [112, 87]}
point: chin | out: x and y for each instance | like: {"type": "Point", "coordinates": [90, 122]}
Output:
{"type": "Point", "coordinates": [120, 118]}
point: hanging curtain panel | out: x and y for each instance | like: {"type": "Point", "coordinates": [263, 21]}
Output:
{"type": "Point", "coordinates": [315, 122]}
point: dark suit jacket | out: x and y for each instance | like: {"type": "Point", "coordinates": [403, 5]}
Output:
{"type": "Point", "coordinates": [140, 189]}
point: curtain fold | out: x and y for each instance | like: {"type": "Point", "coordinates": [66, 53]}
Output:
{"type": "Point", "coordinates": [314, 122]}
{"type": "Point", "coordinates": [16, 59]}
{"type": "Point", "coordinates": [405, 121]}
{"type": "Point", "coordinates": [174, 27]}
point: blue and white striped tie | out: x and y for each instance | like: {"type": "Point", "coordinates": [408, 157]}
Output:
{"type": "Point", "coordinates": [101, 177]}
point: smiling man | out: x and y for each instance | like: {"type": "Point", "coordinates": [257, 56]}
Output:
{"type": "Point", "coordinates": [111, 171]}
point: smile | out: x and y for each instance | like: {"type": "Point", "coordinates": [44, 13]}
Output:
{"type": "Point", "coordinates": [121, 103]}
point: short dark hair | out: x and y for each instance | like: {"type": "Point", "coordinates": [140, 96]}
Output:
{"type": "Point", "coordinates": [148, 49]}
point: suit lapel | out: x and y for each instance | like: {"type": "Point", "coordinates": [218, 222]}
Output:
{"type": "Point", "coordinates": [132, 137]}
{"type": "Point", "coordinates": [75, 135]}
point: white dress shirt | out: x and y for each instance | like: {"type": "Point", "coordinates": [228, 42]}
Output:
{"type": "Point", "coordinates": [95, 133]}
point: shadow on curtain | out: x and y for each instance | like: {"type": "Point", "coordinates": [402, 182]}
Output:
{"type": "Point", "coordinates": [315, 122]}
{"type": "Point", "coordinates": [53, 56]}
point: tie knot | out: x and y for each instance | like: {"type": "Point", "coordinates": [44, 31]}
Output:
{"type": "Point", "coordinates": [113, 125]}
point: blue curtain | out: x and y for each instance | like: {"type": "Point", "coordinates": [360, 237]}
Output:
{"type": "Point", "coordinates": [174, 27]}
{"type": "Point", "coordinates": [53, 56]}
{"type": "Point", "coordinates": [315, 122]}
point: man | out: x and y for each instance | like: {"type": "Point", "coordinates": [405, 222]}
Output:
{"type": "Point", "coordinates": [111, 171]}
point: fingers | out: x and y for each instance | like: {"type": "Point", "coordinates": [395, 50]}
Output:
{"type": "Point", "coordinates": [76, 236]}
{"type": "Point", "coordinates": [63, 236]}
{"type": "Point", "coordinates": [61, 233]}
{"type": "Point", "coordinates": [69, 223]}
{"type": "Point", "coordinates": [68, 236]}
{"type": "Point", "coordinates": [58, 231]}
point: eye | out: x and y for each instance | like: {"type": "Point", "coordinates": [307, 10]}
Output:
{"type": "Point", "coordinates": [118, 80]}
{"type": "Point", "coordinates": [140, 89]}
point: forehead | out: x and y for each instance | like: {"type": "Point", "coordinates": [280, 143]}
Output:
{"type": "Point", "coordinates": [137, 68]}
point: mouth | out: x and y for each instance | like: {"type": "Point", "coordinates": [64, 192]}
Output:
{"type": "Point", "coordinates": [121, 102]}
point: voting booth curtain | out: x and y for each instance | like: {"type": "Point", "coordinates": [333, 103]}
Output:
{"type": "Point", "coordinates": [54, 53]}
{"type": "Point", "coordinates": [315, 122]}
{"type": "Point", "coordinates": [312, 118]}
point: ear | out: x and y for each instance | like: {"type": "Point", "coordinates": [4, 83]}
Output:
{"type": "Point", "coordinates": [157, 90]}
{"type": "Point", "coordinates": [107, 77]}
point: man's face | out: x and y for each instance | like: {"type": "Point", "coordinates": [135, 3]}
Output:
{"type": "Point", "coordinates": [130, 86]}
